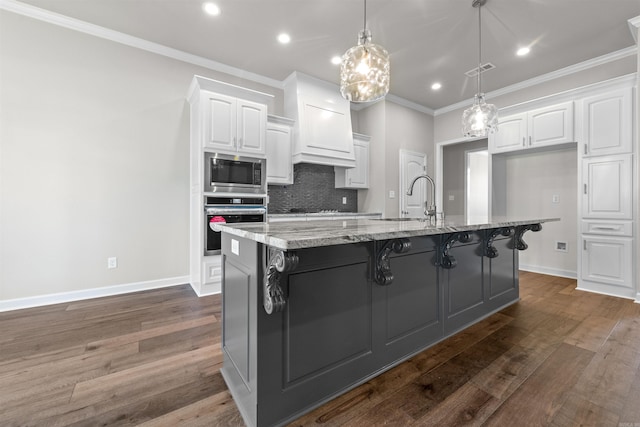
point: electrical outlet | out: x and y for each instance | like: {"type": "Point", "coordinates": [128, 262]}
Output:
{"type": "Point", "coordinates": [451, 197]}
{"type": "Point", "coordinates": [344, 200]}
{"type": "Point", "coordinates": [112, 262]}
{"type": "Point", "coordinates": [392, 194]}
{"type": "Point", "coordinates": [562, 246]}
{"type": "Point", "coordinates": [555, 198]}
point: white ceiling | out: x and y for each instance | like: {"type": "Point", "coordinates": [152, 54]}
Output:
{"type": "Point", "coordinates": [428, 40]}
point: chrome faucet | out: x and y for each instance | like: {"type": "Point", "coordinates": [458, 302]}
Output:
{"type": "Point", "coordinates": [429, 210]}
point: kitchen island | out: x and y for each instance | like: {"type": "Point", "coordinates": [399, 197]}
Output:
{"type": "Point", "coordinates": [311, 310]}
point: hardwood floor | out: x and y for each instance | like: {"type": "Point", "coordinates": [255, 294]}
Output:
{"type": "Point", "coordinates": [559, 357]}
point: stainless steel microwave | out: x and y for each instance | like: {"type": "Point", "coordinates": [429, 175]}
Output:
{"type": "Point", "coordinates": [226, 173]}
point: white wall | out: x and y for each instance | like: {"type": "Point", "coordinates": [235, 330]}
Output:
{"type": "Point", "coordinates": [94, 161]}
{"type": "Point", "coordinates": [532, 180]}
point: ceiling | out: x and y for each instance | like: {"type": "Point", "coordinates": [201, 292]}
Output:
{"type": "Point", "coordinates": [428, 40]}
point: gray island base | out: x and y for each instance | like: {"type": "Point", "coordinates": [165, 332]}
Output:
{"type": "Point", "coordinates": [313, 310]}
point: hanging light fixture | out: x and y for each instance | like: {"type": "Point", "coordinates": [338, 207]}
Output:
{"type": "Point", "coordinates": [481, 118]}
{"type": "Point", "coordinates": [364, 71]}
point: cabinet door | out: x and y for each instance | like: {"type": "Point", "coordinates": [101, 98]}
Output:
{"type": "Point", "coordinates": [607, 260]}
{"type": "Point", "coordinates": [251, 127]}
{"type": "Point", "coordinates": [607, 187]}
{"type": "Point", "coordinates": [279, 163]}
{"type": "Point", "coordinates": [607, 123]}
{"type": "Point", "coordinates": [219, 122]}
{"type": "Point", "coordinates": [358, 177]}
{"type": "Point", "coordinates": [511, 134]}
{"type": "Point", "coordinates": [551, 125]}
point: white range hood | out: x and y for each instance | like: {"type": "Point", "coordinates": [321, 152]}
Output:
{"type": "Point", "coordinates": [322, 131]}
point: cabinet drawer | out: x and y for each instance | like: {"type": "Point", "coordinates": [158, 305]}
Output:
{"type": "Point", "coordinates": [609, 228]}
{"type": "Point", "coordinates": [212, 270]}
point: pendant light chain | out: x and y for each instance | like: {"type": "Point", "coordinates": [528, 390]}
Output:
{"type": "Point", "coordinates": [365, 15]}
{"type": "Point", "coordinates": [479, 47]}
{"type": "Point", "coordinates": [481, 118]}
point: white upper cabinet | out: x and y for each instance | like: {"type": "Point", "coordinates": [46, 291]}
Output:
{"type": "Point", "coordinates": [228, 119]}
{"type": "Point", "coordinates": [607, 127]}
{"type": "Point", "coordinates": [357, 177]}
{"type": "Point", "coordinates": [511, 135]}
{"type": "Point", "coordinates": [220, 122]}
{"type": "Point", "coordinates": [607, 187]}
{"type": "Point", "coordinates": [551, 125]}
{"type": "Point", "coordinates": [233, 125]}
{"type": "Point", "coordinates": [542, 127]}
{"type": "Point", "coordinates": [279, 163]}
{"type": "Point", "coordinates": [322, 131]}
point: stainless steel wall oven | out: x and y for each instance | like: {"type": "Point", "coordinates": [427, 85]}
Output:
{"type": "Point", "coordinates": [230, 210]}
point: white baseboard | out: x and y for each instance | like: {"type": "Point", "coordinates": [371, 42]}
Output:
{"type": "Point", "coordinates": [550, 271]}
{"type": "Point", "coordinates": [40, 300]}
{"type": "Point", "coordinates": [203, 290]}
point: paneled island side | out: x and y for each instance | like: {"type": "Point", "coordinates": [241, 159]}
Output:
{"type": "Point", "coordinates": [311, 310]}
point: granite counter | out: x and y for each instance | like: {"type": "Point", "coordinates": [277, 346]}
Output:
{"type": "Point", "coordinates": [298, 235]}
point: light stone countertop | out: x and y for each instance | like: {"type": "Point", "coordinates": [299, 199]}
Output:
{"type": "Point", "coordinates": [298, 235]}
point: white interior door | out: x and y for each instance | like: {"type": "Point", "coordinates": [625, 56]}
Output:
{"type": "Point", "coordinates": [412, 164]}
{"type": "Point", "coordinates": [477, 184]}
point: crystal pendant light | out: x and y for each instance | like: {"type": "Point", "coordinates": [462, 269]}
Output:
{"type": "Point", "coordinates": [481, 118]}
{"type": "Point", "coordinates": [364, 71]}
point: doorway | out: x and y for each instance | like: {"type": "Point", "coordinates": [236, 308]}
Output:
{"type": "Point", "coordinates": [453, 162]}
{"type": "Point", "coordinates": [476, 184]}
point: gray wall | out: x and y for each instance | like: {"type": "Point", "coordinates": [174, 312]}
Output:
{"type": "Point", "coordinates": [93, 160]}
{"type": "Point", "coordinates": [532, 180]}
{"type": "Point", "coordinates": [453, 175]}
{"type": "Point", "coordinates": [392, 127]}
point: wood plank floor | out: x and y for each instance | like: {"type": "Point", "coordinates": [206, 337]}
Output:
{"type": "Point", "coordinates": [559, 357]}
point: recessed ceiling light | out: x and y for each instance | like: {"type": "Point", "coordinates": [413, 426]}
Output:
{"type": "Point", "coordinates": [284, 38]}
{"type": "Point", "coordinates": [436, 86]}
{"type": "Point", "coordinates": [336, 60]}
{"type": "Point", "coordinates": [211, 9]}
{"type": "Point", "coordinates": [523, 51]}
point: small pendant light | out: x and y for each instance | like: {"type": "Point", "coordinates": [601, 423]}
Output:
{"type": "Point", "coordinates": [364, 71]}
{"type": "Point", "coordinates": [481, 118]}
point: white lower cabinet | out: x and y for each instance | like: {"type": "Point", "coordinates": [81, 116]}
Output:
{"type": "Point", "coordinates": [607, 261]}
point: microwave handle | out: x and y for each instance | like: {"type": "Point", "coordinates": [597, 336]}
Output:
{"type": "Point", "coordinates": [239, 211]}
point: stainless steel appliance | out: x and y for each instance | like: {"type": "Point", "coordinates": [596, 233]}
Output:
{"type": "Point", "coordinates": [230, 210]}
{"type": "Point", "coordinates": [226, 173]}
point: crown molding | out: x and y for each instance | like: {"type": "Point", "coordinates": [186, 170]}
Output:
{"type": "Point", "coordinates": [634, 25]}
{"type": "Point", "coordinates": [128, 40]}
{"type": "Point", "coordinates": [136, 42]}
{"type": "Point", "coordinates": [405, 103]}
{"type": "Point", "coordinates": [581, 66]}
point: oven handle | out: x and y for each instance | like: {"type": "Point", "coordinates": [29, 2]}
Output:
{"type": "Point", "coordinates": [236, 211]}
